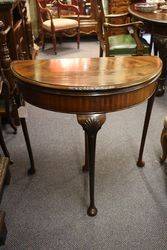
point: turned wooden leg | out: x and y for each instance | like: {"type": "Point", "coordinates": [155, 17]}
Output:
{"type": "Point", "coordinates": [27, 139]}
{"type": "Point", "coordinates": [78, 37]}
{"type": "Point", "coordinates": [140, 162]}
{"type": "Point", "coordinates": [54, 42]}
{"type": "Point", "coordinates": [164, 142]}
{"type": "Point", "coordinates": [85, 167]}
{"type": "Point", "coordinates": [101, 52]}
{"type": "Point", "coordinates": [91, 125]}
{"type": "Point", "coordinates": [43, 40]}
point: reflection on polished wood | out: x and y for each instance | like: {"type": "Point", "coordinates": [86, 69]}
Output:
{"type": "Point", "coordinates": [90, 88]}
{"type": "Point", "coordinates": [155, 23]}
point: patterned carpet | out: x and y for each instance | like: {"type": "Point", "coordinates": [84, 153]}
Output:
{"type": "Point", "coordinates": [48, 210]}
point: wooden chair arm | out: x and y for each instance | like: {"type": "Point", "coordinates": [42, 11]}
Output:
{"type": "Point", "coordinates": [137, 24]}
{"type": "Point", "coordinates": [45, 10]}
{"type": "Point", "coordinates": [117, 15]}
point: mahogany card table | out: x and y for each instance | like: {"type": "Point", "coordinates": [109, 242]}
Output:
{"type": "Point", "coordinates": [90, 88]}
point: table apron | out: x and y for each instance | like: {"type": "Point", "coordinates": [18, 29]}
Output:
{"type": "Point", "coordinates": [87, 104]}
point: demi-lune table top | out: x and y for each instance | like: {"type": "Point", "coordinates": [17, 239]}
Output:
{"type": "Point", "coordinates": [88, 74]}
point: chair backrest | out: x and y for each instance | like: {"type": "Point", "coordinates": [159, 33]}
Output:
{"type": "Point", "coordinates": [99, 16]}
{"type": "Point", "coordinates": [42, 15]}
{"type": "Point", "coordinates": [5, 58]}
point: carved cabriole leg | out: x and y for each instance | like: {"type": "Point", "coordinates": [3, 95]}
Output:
{"type": "Point", "coordinates": [164, 142]}
{"type": "Point", "coordinates": [85, 167]}
{"type": "Point", "coordinates": [91, 125]}
{"type": "Point", "coordinates": [140, 162]}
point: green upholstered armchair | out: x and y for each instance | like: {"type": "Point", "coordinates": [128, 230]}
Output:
{"type": "Point", "coordinates": [128, 43]}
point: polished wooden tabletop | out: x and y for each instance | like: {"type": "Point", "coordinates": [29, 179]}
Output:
{"type": "Point", "coordinates": [88, 73]}
{"type": "Point", "coordinates": [156, 16]}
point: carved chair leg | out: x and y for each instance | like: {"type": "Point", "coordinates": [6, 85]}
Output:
{"type": "Point", "coordinates": [140, 162]}
{"type": "Point", "coordinates": [101, 52]}
{"type": "Point", "coordinates": [27, 139]}
{"type": "Point", "coordinates": [85, 167]}
{"type": "Point", "coordinates": [9, 116]}
{"type": "Point", "coordinates": [164, 142]}
{"type": "Point", "coordinates": [91, 125]}
{"type": "Point", "coordinates": [43, 40]}
{"type": "Point", "coordinates": [54, 42]}
{"type": "Point", "coordinates": [78, 38]}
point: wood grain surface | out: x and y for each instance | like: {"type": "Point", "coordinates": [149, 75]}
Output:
{"type": "Point", "coordinates": [88, 73]}
{"type": "Point", "coordinates": [84, 85]}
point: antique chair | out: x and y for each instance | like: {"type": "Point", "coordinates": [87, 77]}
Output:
{"type": "Point", "coordinates": [54, 26]}
{"type": "Point", "coordinates": [10, 99]}
{"type": "Point", "coordinates": [88, 22]}
{"type": "Point", "coordinates": [127, 43]}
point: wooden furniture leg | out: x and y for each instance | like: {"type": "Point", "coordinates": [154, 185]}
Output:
{"type": "Point", "coordinates": [4, 180]}
{"type": "Point", "coordinates": [91, 125]}
{"type": "Point", "coordinates": [31, 170]}
{"type": "Point", "coordinates": [3, 145]}
{"type": "Point", "coordinates": [7, 176]}
{"type": "Point", "coordinates": [3, 229]}
{"type": "Point", "coordinates": [164, 142]}
{"type": "Point", "coordinates": [85, 167]}
{"type": "Point", "coordinates": [140, 162]}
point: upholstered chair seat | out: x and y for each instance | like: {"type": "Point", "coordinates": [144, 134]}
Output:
{"type": "Point", "coordinates": [60, 23]}
{"type": "Point", "coordinates": [125, 44]}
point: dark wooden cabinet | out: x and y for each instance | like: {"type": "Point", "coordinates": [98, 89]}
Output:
{"type": "Point", "coordinates": [13, 13]}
